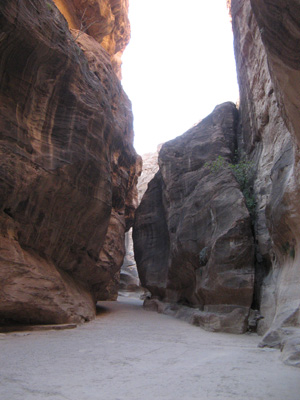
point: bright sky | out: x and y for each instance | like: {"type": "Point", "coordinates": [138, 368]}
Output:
{"type": "Point", "coordinates": [177, 67]}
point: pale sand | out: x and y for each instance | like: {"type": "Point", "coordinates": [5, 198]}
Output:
{"type": "Point", "coordinates": [129, 353]}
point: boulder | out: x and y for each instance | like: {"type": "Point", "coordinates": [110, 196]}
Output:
{"type": "Point", "coordinates": [192, 231]}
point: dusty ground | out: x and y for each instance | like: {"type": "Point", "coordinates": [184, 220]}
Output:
{"type": "Point", "coordinates": [129, 353]}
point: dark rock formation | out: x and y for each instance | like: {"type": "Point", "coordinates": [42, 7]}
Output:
{"type": "Point", "coordinates": [68, 168]}
{"type": "Point", "coordinates": [267, 39]}
{"type": "Point", "coordinates": [192, 231]}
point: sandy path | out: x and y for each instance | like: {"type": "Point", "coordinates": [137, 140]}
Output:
{"type": "Point", "coordinates": [129, 353]}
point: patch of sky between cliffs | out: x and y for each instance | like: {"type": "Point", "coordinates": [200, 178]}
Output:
{"type": "Point", "coordinates": [177, 67]}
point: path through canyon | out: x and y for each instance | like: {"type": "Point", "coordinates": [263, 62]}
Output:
{"type": "Point", "coordinates": [130, 353]}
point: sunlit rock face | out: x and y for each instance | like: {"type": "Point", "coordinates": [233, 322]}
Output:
{"type": "Point", "coordinates": [129, 280]}
{"type": "Point", "coordinates": [150, 167]}
{"type": "Point", "coordinates": [266, 39]}
{"type": "Point", "coordinates": [68, 168]}
{"type": "Point", "coordinates": [192, 231]}
{"type": "Point", "coordinates": [104, 20]}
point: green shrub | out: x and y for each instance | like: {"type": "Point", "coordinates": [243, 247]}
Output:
{"type": "Point", "coordinates": [243, 171]}
{"type": "Point", "coordinates": [49, 5]}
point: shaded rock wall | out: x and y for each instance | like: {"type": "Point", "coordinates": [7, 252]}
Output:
{"type": "Point", "coordinates": [192, 231]}
{"type": "Point", "coordinates": [68, 168]}
{"type": "Point", "coordinates": [266, 39]}
{"type": "Point", "coordinates": [280, 32]}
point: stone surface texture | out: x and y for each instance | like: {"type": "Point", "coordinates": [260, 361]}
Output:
{"type": "Point", "coordinates": [68, 168]}
{"type": "Point", "coordinates": [266, 40]}
{"type": "Point", "coordinates": [192, 232]}
{"type": "Point", "coordinates": [150, 167]}
{"type": "Point", "coordinates": [104, 20]}
{"type": "Point", "coordinates": [129, 280]}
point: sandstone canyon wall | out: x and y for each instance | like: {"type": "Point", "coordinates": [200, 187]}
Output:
{"type": "Point", "coordinates": [192, 232]}
{"type": "Point", "coordinates": [104, 20]}
{"type": "Point", "coordinates": [150, 168]}
{"type": "Point", "coordinates": [68, 167]}
{"type": "Point", "coordinates": [129, 279]}
{"type": "Point", "coordinates": [267, 40]}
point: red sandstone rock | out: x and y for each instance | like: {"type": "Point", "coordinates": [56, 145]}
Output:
{"type": "Point", "coordinates": [68, 168]}
{"type": "Point", "coordinates": [192, 233]}
{"type": "Point", "coordinates": [34, 291]}
{"type": "Point", "coordinates": [104, 20]}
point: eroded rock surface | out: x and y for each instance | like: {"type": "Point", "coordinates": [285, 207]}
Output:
{"type": "Point", "coordinates": [192, 231]}
{"type": "Point", "coordinates": [68, 168]}
{"type": "Point", "coordinates": [104, 20]}
{"type": "Point", "coordinates": [150, 167]}
{"type": "Point", "coordinates": [129, 279]}
{"type": "Point", "coordinates": [267, 37]}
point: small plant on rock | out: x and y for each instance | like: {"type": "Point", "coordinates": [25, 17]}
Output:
{"type": "Point", "coordinates": [49, 6]}
{"type": "Point", "coordinates": [243, 171]}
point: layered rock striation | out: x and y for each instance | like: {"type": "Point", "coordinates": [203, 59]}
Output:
{"type": "Point", "coordinates": [68, 168]}
{"type": "Point", "coordinates": [150, 167]}
{"type": "Point", "coordinates": [129, 279]}
{"type": "Point", "coordinates": [104, 20]}
{"type": "Point", "coordinates": [266, 40]}
{"type": "Point", "coordinates": [192, 232]}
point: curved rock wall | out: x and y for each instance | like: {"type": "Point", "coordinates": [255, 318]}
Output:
{"type": "Point", "coordinates": [68, 168]}
{"type": "Point", "coordinates": [280, 33]}
{"type": "Point", "coordinates": [267, 37]}
{"type": "Point", "coordinates": [192, 231]}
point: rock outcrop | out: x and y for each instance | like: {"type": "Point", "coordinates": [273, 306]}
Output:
{"type": "Point", "coordinates": [68, 168]}
{"type": "Point", "coordinates": [150, 167]}
{"type": "Point", "coordinates": [104, 20]}
{"type": "Point", "coordinates": [192, 232]}
{"type": "Point", "coordinates": [129, 279]}
{"type": "Point", "coordinates": [267, 38]}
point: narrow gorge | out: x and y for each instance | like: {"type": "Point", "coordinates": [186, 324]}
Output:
{"type": "Point", "coordinates": [203, 256]}
{"type": "Point", "coordinates": [217, 232]}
